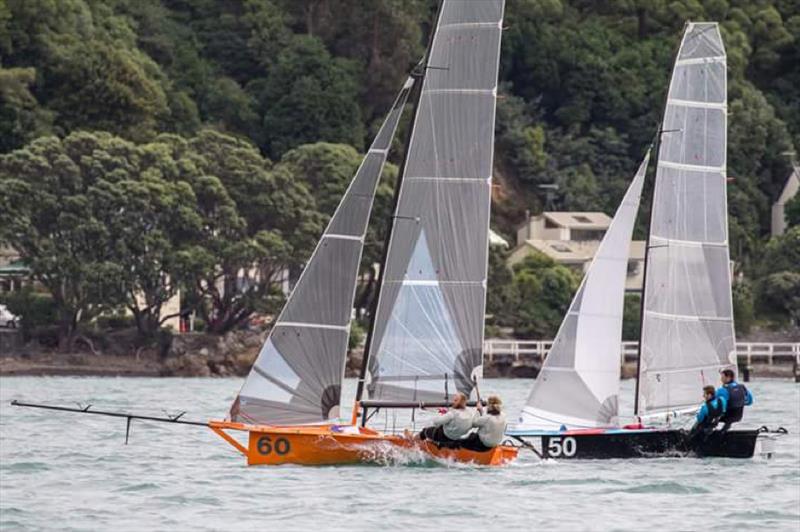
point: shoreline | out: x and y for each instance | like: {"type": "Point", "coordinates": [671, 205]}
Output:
{"type": "Point", "coordinates": [196, 365]}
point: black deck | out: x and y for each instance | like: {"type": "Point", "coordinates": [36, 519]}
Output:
{"type": "Point", "coordinates": [645, 444]}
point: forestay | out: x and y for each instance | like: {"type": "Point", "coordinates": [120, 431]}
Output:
{"type": "Point", "coordinates": [428, 334]}
{"type": "Point", "coordinates": [297, 376]}
{"type": "Point", "coordinates": [578, 385]}
{"type": "Point", "coordinates": [687, 324]}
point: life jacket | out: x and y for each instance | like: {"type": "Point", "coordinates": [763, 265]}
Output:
{"type": "Point", "coordinates": [737, 395]}
{"type": "Point", "coordinates": [714, 407]}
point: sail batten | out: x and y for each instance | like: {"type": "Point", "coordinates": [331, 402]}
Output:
{"type": "Point", "coordinates": [687, 332]}
{"type": "Point", "coordinates": [427, 339]}
{"type": "Point", "coordinates": [297, 376]}
{"type": "Point", "coordinates": [578, 385]}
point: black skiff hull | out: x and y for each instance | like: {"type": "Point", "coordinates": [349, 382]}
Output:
{"type": "Point", "coordinates": [644, 444]}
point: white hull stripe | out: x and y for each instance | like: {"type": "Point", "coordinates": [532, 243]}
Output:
{"type": "Point", "coordinates": [701, 105]}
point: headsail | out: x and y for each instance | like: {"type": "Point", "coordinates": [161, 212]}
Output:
{"type": "Point", "coordinates": [428, 334]}
{"type": "Point", "coordinates": [298, 373]}
{"type": "Point", "coordinates": [687, 321]}
{"type": "Point", "coordinates": [578, 385]}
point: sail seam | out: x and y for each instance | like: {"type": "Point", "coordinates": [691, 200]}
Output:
{"type": "Point", "coordinates": [477, 180]}
{"type": "Point", "coordinates": [426, 282]}
{"type": "Point", "coordinates": [700, 60]}
{"type": "Point", "coordinates": [457, 25]}
{"type": "Point", "coordinates": [691, 167]}
{"type": "Point", "coordinates": [459, 91]}
{"type": "Point", "coordinates": [688, 243]}
{"type": "Point", "coordinates": [343, 237]}
{"type": "Point", "coordinates": [685, 317]}
{"type": "Point", "coordinates": [309, 325]}
{"type": "Point", "coordinates": [672, 371]}
{"type": "Point", "coordinates": [698, 104]}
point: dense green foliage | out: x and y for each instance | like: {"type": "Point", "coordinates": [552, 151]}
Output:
{"type": "Point", "coordinates": [152, 145]}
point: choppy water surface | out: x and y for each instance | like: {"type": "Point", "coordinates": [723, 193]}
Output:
{"type": "Point", "coordinates": [72, 472]}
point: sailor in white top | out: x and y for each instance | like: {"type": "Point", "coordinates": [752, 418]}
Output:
{"type": "Point", "coordinates": [491, 427]}
{"type": "Point", "coordinates": [448, 428]}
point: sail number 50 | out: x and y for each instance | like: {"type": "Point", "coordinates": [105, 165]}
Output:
{"type": "Point", "coordinates": [562, 447]}
{"type": "Point", "coordinates": [266, 446]}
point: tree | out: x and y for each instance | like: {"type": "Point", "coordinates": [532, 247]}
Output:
{"type": "Point", "coordinates": [544, 291]}
{"type": "Point", "coordinates": [47, 214]}
{"type": "Point", "coordinates": [258, 221]}
{"type": "Point", "coordinates": [792, 211]}
{"type": "Point", "coordinates": [309, 97]}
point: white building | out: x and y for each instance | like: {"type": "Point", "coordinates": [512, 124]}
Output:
{"type": "Point", "coordinates": [572, 239]}
{"type": "Point", "coordinates": [789, 191]}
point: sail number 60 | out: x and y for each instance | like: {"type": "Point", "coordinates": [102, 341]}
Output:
{"type": "Point", "coordinates": [265, 445]}
{"type": "Point", "coordinates": [562, 447]}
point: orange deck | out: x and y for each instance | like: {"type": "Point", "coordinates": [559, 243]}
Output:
{"type": "Point", "coordinates": [339, 444]}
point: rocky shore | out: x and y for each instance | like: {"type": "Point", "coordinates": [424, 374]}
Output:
{"type": "Point", "coordinates": [231, 355]}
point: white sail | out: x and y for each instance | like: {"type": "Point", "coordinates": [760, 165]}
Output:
{"type": "Point", "coordinates": [427, 341]}
{"type": "Point", "coordinates": [687, 322]}
{"type": "Point", "coordinates": [297, 376]}
{"type": "Point", "coordinates": [578, 385]}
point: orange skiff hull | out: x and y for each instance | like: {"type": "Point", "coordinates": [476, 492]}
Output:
{"type": "Point", "coordinates": [340, 445]}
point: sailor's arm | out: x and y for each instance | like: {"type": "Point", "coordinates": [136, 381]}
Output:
{"type": "Point", "coordinates": [702, 413]}
{"type": "Point", "coordinates": [748, 397]}
{"type": "Point", "coordinates": [444, 418]}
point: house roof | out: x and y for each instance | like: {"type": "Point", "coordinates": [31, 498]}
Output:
{"type": "Point", "coordinates": [579, 220]}
{"type": "Point", "coordinates": [578, 252]}
{"type": "Point", "coordinates": [14, 269]}
{"type": "Point", "coordinates": [497, 240]}
{"type": "Point", "coordinates": [790, 188]}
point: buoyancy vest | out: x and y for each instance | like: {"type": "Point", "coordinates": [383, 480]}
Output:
{"type": "Point", "coordinates": [714, 407]}
{"type": "Point", "coordinates": [737, 395]}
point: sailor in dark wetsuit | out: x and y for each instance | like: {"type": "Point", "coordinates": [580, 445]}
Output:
{"type": "Point", "coordinates": [736, 397]}
{"type": "Point", "coordinates": [708, 416]}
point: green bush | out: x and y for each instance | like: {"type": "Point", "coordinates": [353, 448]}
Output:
{"type": "Point", "coordinates": [35, 310]}
{"type": "Point", "coordinates": [357, 334]}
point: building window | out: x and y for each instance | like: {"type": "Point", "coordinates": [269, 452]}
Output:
{"type": "Point", "coordinates": [633, 267]}
{"type": "Point", "coordinates": [561, 248]}
{"type": "Point", "coordinates": [550, 224]}
{"type": "Point", "coordinates": [586, 234]}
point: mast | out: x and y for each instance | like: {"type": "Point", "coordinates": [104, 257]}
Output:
{"type": "Point", "coordinates": [418, 73]}
{"type": "Point", "coordinates": [656, 152]}
{"type": "Point", "coordinates": [644, 279]}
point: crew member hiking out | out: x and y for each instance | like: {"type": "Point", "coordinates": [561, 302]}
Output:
{"type": "Point", "coordinates": [736, 397]}
{"type": "Point", "coordinates": [448, 428]}
{"type": "Point", "coordinates": [709, 415]}
{"type": "Point", "coordinates": [491, 427]}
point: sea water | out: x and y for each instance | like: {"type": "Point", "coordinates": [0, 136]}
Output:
{"type": "Point", "coordinates": [64, 471]}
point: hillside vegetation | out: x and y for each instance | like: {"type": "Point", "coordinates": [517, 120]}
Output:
{"type": "Point", "coordinates": [156, 145]}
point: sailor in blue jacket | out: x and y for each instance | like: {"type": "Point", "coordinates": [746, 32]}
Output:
{"type": "Point", "coordinates": [709, 415]}
{"type": "Point", "coordinates": [736, 397]}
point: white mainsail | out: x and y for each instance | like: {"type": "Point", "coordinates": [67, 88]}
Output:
{"type": "Point", "coordinates": [297, 376]}
{"type": "Point", "coordinates": [427, 340]}
{"type": "Point", "coordinates": [687, 322]}
{"type": "Point", "coordinates": [578, 385]}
